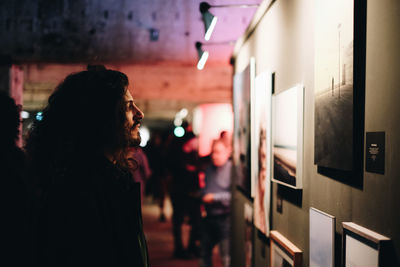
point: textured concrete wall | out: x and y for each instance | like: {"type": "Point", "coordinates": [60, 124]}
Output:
{"type": "Point", "coordinates": [79, 31]}
{"type": "Point", "coordinates": [113, 30]}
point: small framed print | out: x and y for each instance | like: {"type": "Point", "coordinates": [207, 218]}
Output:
{"type": "Point", "coordinates": [287, 137]}
{"type": "Point", "coordinates": [322, 239]}
{"type": "Point", "coordinates": [283, 252]}
{"type": "Point", "coordinates": [363, 247]}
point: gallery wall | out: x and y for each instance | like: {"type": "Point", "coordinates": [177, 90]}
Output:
{"type": "Point", "coordinates": [283, 42]}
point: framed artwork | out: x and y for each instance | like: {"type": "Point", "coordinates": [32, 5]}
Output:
{"type": "Point", "coordinates": [287, 136]}
{"type": "Point", "coordinates": [248, 235]}
{"type": "Point", "coordinates": [283, 252]}
{"type": "Point", "coordinates": [363, 247]}
{"type": "Point", "coordinates": [242, 88]}
{"type": "Point", "coordinates": [322, 239]}
{"type": "Point", "coordinates": [339, 88]}
{"type": "Point", "coordinates": [261, 150]}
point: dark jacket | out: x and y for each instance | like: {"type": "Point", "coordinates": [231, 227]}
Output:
{"type": "Point", "coordinates": [13, 207]}
{"type": "Point", "coordinates": [90, 215]}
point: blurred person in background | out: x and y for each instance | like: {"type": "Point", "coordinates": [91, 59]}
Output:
{"type": "Point", "coordinates": [226, 137]}
{"type": "Point", "coordinates": [158, 183]}
{"type": "Point", "coordinates": [183, 163]}
{"type": "Point", "coordinates": [216, 197]}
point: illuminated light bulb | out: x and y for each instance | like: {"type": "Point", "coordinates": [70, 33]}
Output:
{"type": "Point", "coordinates": [202, 61]}
{"type": "Point", "coordinates": [207, 36]}
{"type": "Point", "coordinates": [179, 131]}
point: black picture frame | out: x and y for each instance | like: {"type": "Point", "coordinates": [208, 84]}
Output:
{"type": "Point", "coordinates": [353, 174]}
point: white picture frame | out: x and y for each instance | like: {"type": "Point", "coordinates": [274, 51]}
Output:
{"type": "Point", "coordinates": [362, 247]}
{"type": "Point", "coordinates": [322, 239]}
{"type": "Point", "coordinates": [261, 150]}
{"type": "Point", "coordinates": [287, 137]}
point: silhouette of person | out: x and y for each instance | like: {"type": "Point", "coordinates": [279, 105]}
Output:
{"type": "Point", "coordinates": [157, 155]}
{"type": "Point", "coordinates": [185, 183]}
{"type": "Point", "coordinates": [13, 190]}
{"type": "Point", "coordinates": [216, 196]}
{"type": "Point", "coordinates": [89, 209]}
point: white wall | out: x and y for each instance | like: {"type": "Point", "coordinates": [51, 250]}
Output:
{"type": "Point", "coordinates": [283, 42]}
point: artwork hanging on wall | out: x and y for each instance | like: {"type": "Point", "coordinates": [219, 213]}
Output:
{"type": "Point", "coordinates": [363, 247]}
{"type": "Point", "coordinates": [287, 136]}
{"type": "Point", "coordinates": [242, 88]}
{"type": "Point", "coordinates": [339, 87]}
{"type": "Point", "coordinates": [322, 239]}
{"type": "Point", "coordinates": [283, 252]}
{"type": "Point", "coordinates": [261, 150]}
{"type": "Point", "coordinates": [248, 235]}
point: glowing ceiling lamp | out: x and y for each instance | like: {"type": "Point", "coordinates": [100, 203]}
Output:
{"type": "Point", "coordinates": [203, 56]}
{"type": "Point", "coordinates": [210, 20]}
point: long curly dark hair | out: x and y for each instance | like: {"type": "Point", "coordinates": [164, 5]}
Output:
{"type": "Point", "coordinates": [85, 117]}
{"type": "Point", "coordinates": [9, 117]}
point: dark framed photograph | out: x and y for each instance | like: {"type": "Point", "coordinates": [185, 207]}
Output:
{"type": "Point", "coordinates": [340, 89]}
{"type": "Point", "coordinates": [243, 84]}
{"type": "Point", "coordinates": [287, 137]}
